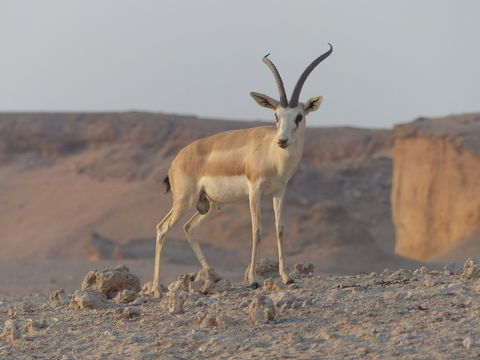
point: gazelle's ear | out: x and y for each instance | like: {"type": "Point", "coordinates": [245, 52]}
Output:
{"type": "Point", "coordinates": [265, 101]}
{"type": "Point", "coordinates": [312, 104]}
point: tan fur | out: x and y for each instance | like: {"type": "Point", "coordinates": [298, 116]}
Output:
{"type": "Point", "coordinates": [233, 166]}
{"type": "Point", "coordinates": [199, 158]}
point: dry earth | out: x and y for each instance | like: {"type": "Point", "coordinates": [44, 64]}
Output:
{"type": "Point", "coordinates": [426, 314]}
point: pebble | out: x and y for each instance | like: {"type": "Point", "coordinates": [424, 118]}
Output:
{"type": "Point", "coordinates": [468, 342]}
{"type": "Point", "coordinates": [175, 301]}
{"type": "Point", "coordinates": [11, 330]}
{"type": "Point", "coordinates": [471, 269]}
{"type": "Point", "coordinates": [262, 310]}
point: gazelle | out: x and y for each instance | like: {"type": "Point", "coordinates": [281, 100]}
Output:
{"type": "Point", "coordinates": [240, 165]}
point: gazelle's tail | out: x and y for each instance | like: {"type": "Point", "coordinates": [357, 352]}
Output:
{"type": "Point", "coordinates": [166, 181]}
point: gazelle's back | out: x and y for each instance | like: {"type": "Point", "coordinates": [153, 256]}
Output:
{"type": "Point", "coordinates": [221, 164]}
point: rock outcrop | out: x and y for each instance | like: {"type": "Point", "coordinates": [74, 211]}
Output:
{"type": "Point", "coordinates": [112, 282]}
{"type": "Point", "coordinates": [436, 182]}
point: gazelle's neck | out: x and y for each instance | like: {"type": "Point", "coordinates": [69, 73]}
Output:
{"type": "Point", "coordinates": [287, 159]}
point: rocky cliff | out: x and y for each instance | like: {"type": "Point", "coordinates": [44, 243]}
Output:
{"type": "Point", "coordinates": [66, 178]}
{"type": "Point", "coordinates": [436, 184]}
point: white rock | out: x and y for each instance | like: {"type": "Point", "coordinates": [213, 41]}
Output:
{"type": "Point", "coordinates": [60, 296]}
{"type": "Point", "coordinates": [111, 281]}
{"type": "Point", "coordinates": [11, 330]}
{"type": "Point", "coordinates": [182, 283]}
{"type": "Point", "coordinates": [421, 271]}
{"type": "Point", "coordinates": [125, 296]}
{"type": "Point", "coordinates": [175, 301]}
{"type": "Point", "coordinates": [304, 268]}
{"type": "Point", "coordinates": [129, 313]}
{"type": "Point", "coordinates": [88, 299]}
{"type": "Point", "coordinates": [468, 342]}
{"type": "Point", "coordinates": [262, 310]}
{"type": "Point", "coordinates": [208, 274]}
{"type": "Point", "coordinates": [208, 320]}
{"type": "Point", "coordinates": [471, 269]}
{"type": "Point", "coordinates": [281, 298]}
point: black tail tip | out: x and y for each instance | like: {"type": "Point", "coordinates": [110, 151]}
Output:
{"type": "Point", "coordinates": [166, 181]}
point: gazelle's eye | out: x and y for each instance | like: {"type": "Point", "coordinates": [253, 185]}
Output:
{"type": "Point", "coordinates": [298, 119]}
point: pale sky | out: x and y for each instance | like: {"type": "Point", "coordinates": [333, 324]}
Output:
{"type": "Point", "coordinates": [392, 62]}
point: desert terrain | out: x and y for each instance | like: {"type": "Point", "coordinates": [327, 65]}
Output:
{"type": "Point", "coordinates": [77, 188]}
{"type": "Point", "coordinates": [377, 222]}
{"type": "Point", "coordinates": [422, 314]}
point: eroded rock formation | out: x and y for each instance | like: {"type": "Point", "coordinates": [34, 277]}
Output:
{"type": "Point", "coordinates": [436, 184]}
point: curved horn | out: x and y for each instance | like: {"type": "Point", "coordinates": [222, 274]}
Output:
{"type": "Point", "coordinates": [278, 80]}
{"type": "Point", "coordinates": [301, 80]}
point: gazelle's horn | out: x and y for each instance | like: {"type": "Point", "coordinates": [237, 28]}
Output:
{"type": "Point", "coordinates": [278, 80]}
{"type": "Point", "coordinates": [301, 80]}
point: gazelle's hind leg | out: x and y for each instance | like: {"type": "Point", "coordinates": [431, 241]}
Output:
{"type": "Point", "coordinates": [254, 199]}
{"type": "Point", "coordinates": [178, 211]}
{"type": "Point", "coordinates": [190, 226]}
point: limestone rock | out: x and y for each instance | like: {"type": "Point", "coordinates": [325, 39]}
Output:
{"type": "Point", "coordinates": [125, 296]}
{"type": "Point", "coordinates": [128, 313]}
{"type": "Point", "coordinates": [206, 281]}
{"type": "Point", "coordinates": [208, 287]}
{"type": "Point", "coordinates": [208, 320]}
{"type": "Point", "coordinates": [305, 268]}
{"type": "Point", "coordinates": [421, 271]}
{"type": "Point", "coordinates": [452, 269]}
{"type": "Point", "coordinates": [222, 285]}
{"type": "Point", "coordinates": [283, 299]}
{"type": "Point", "coordinates": [112, 280]}
{"type": "Point", "coordinates": [175, 301]}
{"type": "Point", "coordinates": [468, 342]}
{"type": "Point", "coordinates": [88, 299]}
{"type": "Point", "coordinates": [182, 283]}
{"type": "Point", "coordinates": [471, 269]}
{"type": "Point", "coordinates": [262, 310]}
{"type": "Point", "coordinates": [59, 295]}
{"type": "Point", "coordinates": [207, 274]}
{"type": "Point", "coordinates": [195, 287]}
{"type": "Point", "coordinates": [400, 275]}
{"type": "Point", "coordinates": [271, 284]}
{"type": "Point", "coordinates": [11, 330]}
{"type": "Point", "coordinates": [435, 202]}
{"type": "Point", "coordinates": [146, 288]}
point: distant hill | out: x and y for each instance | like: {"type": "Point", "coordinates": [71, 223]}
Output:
{"type": "Point", "coordinates": [65, 177]}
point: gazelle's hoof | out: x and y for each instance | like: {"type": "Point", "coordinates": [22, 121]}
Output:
{"type": "Point", "coordinates": [290, 281]}
{"type": "Point", "coordinates": [253, 285]}
{"type": "Point", "coordinates": [157, 293]}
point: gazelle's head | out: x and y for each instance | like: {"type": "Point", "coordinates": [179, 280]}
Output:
{"type": "Point", "coordinates": [290, 115]}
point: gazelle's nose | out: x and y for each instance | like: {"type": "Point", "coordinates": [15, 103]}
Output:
{"type": "Point", "coordinates": [282, 143]}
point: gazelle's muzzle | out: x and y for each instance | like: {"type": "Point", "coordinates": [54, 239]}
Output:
{"type": "Point", "coordinates": [283, 143]}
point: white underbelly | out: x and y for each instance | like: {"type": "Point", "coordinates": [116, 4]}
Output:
{"type": "Point", "coordinates": [225, 189]}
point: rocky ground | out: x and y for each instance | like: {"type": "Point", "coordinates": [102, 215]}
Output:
{"type": "Point", "coordinates": [424, 314]}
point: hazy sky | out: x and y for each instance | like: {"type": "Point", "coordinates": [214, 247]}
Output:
{"type": "Point", "coordinates": [393, 60]}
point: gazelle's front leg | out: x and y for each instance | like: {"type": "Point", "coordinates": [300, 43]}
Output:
{"type": "Point", "coordinates": [279, 226]}
{"type": "Point", "coordinates": [254, 199]}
